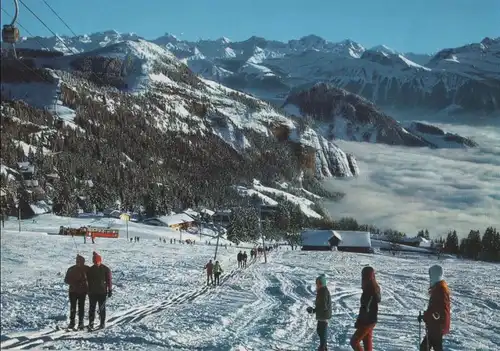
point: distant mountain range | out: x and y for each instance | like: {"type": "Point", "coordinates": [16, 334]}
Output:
{"type": "Point", "coordinates": [466, 78]}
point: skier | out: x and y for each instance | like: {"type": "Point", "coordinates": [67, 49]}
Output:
{"type": "Point", "coordinates": [76, 278]}
{"type": "Point", "coordinates": [323, 310]}
{"type": "Point", "coordinates": [240, 259]}
{"type": "Point", "coordinates": [437, 317]}
{"type": "Point", "coordinates": [217, 272]}
{"type": "Point", "coordinates": [244, 257]}
{"type": "Point", "coordinates": [210, 267]}
{"type": "Point", "coordinates": [368, 311]}
{"type": "Point", "coordinates": [99, 279]}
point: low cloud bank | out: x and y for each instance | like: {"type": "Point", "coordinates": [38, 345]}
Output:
{"type": "Point", "coordinates": [414, 188]}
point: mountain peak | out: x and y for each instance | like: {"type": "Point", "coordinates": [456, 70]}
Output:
{"type": "Point", "coordinates": [170, 36]}
{"type": "Point", "coordinates": [384, 49]}
{"type": "Point", "coordinates": [223, 40]}
{"type": "Point", "coordinates": [312, 38]}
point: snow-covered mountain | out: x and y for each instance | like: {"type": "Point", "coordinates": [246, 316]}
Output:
{"type": "Point", "coordinates": [466, 78]}
{"type": "Point", "coordinates": [178, 100]}
{"type": "Point", "coordinates": [78, 44]}
{"type": "Point", "coordinates": [420, 59]}
{"type": "Point", "coordinates": [338, 114]}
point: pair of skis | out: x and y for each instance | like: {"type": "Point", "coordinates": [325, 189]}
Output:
{"type": "Point", "coordinates": [85, 328]}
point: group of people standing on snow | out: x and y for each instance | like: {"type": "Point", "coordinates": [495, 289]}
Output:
{"type": "Point", "coordinates": [94, 281]}
{"type": "Point", "coordinates": [436, 318]}
{"type": "Point", "coordinates": [213, 271]}
{"type": "Point", "coordinates": [242, 259]}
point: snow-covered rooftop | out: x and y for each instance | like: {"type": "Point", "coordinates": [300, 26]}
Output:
{"type": "Point", "coordinates": [318, 237]}
{"type": "Point", "coordinates": [178, 218]}
{"type": "Point", "coordinates": [355, 239]}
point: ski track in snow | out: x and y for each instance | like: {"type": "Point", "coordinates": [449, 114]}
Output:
{"type": "Point", "coordinates": [161, 301]}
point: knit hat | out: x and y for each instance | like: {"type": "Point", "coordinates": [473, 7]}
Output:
{"type": "Point", "coordinates": [435, 274]}
{"type": "Point", "coordinates": [96, 259]}
{"type": "Point", "coordinates": [321, 279]}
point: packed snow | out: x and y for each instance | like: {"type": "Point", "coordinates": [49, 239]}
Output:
{"type": "Point", "coordinates": [160, 300]}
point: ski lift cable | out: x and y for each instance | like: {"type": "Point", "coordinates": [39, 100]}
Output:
{"type": "Point", "coordinates": [59, 17]}
{"type": "Point", "coordinates": [55, 35]}
{"type": "Point", "coordinates": [43, 23]}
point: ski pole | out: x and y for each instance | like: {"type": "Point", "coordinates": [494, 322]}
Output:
{"type": "Point", "coordinates": [76, 246]}
{"type": "Point", "coordinates": [419, 327]}
{"type": "Point", "coordinates": [427, 339]}
{"type": "Point", "coordinates": [104, 303]}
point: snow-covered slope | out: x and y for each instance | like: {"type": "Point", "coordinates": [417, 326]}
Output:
{"type": "Point", "coordinates": [160, 300]}
{"type": "Point", "coordinates": [178, 100]}
{"type": "Point", "coordinates": [467, 77]}
{"type": "Point", "coordinates": [338, 114]}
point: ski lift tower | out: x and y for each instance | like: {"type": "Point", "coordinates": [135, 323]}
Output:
{"type": "Point", "coordinates": [10, 33]}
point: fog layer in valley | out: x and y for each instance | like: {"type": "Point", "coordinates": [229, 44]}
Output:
{"type": "Point", "coordinates": [414, 188]}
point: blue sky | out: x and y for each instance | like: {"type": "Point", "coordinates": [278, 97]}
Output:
{"type": "Point", "coordinates": [418, 26]}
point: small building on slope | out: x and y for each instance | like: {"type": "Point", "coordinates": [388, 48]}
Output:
{"type": "Point", "coordinates": [319, 240]}
{"type": "Point", "coordinates": [178, 221]}
{"type": "Point", "coordinates": [175, 221]}
{"type": "Point", "coordinates": [353, 241]}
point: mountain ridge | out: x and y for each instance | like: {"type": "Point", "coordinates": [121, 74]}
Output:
{"type": "Point", "coordinates": [466, 77]}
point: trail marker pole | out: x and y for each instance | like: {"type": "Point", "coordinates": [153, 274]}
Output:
{"type": "Point", "coordinates": [262, 236]}
{"type": "Point", "coordinates": [217, 246]}
{"type": "Point", "coordinates": [18, 205]}
{"type": "Point", "coordinates": [125, 217]}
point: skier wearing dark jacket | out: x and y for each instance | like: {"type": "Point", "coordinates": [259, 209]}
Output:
{"type": "Point", "coordinates": [437, 315]}
{"type": "Point", "coordinates": [99, 279]}
{"type": "Point", "coordinates": [323, 310]}
{"type": "Point", "coordinates": [368, 311]}
{"type": "Point", "coordinates": [239, 257]}
{"type": "Point", "coordinates": [244, 258]}
{"type": "Point", "coordinates": [76, 278]}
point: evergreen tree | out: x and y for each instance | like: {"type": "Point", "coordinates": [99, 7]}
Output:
{"type": "Point", "coordinates": [451, 244]}
{"type": "Point", "coordinates": [489, 245]}
{"type": "Point", "coordinates": [244, 225]}
{"type": "Point", "coordinates": [347, 223]}
{"type": "Point", "coordinates": [472, 248]}
{"type": "Point", "coordinates": [424, 234]}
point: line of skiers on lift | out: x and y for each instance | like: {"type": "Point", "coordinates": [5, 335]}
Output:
{"type": "Point", "coordinates": [436, 318]}
{"type": "Point", "coordinates": [214, 271]}
{"type": "Point", "coordinates": [94, 281]}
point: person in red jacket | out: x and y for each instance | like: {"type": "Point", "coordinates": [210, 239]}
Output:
{"type": "Point", "coordinates": [76, 278]}
{"type": "Point", "coordinates": [437, 316]}
{"type": "Point", "coordinates": [210, 272]}
{"type": "Point", "coordinates": [368, 311]}
{"type": "Point", "coordinates": [99, 280]}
